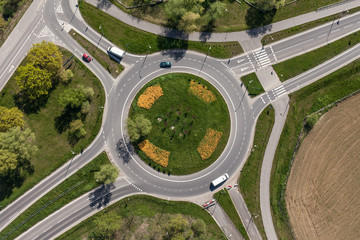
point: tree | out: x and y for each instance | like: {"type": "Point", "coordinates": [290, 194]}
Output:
{"type": "Point", "coordinates": [19, 142]}
{"type": "Point", "coordinates": [74, 97]}
{"type": "Point", "coordinates": [10, 118]}
{"type": "Point", "coordinates": [178, 227]}
{"type": "Point", "coordinates": [66, 75]}
{"type": "Point", "coordinates": [138, 127]}
{"type": "Point", "coordinates": [9, 8]}
{"type": "Point", "coordinates": [8, 161]}
{"type": "Point", "coordinates": [198, 227]}
{"type": "Point", "coordinates": [32, 81]}
{"type": "Point", "coordinates": [46, 55]}
{"type": "Point", "coordinates": [77, 129]}
{"type": "Point", "coordinates": [107, 174]}
{"type": "Point", "coordinates": [85, 107]}
{"type": "Point", "coordinates": [107, 224]}
{"type": "Point", "coordinates": [188, 21]}
{"type": "Point", "coordinates": [216, 10]}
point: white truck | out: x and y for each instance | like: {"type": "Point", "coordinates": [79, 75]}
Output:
{"type": "Point", "coordinates": [115, 53]}
{"type": "Point", "coordinates": [220, 179]}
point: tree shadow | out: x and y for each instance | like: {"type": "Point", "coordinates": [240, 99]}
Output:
{"type": "Point", "coordinates": [125, 149]}
{"type": "Point", "coordinates": [103, 4]}
{"type": "Point", "coordinates": [101, 196]}
{"type": "Point", "coordinates": [30, 106]}
{"type": "Point", "coordinates": [15, 178]}
{"type": "Point", "coordinates": [206, 31]}
{"type": "Point", "coordinates": [174, 44]}
{"type": "Point", "coordinates": [63, 121]}
{"type": "Point", "coordinates": [259, 22]}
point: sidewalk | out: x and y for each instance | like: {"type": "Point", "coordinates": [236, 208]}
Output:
{"type": "Point", "coordinates": [244, 214]}
{"type": "Point", "coordinates": [224, 222]}
{"type": "Point", "coordinates": [248, 41]}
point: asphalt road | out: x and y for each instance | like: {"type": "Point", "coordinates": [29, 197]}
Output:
{"type": "Point", "coordinates": [45, 25]}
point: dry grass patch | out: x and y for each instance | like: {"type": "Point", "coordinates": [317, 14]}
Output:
{"type": "Point", "coordinates": [201, 92]}
{"type": "Point", "coordinates": [158, 155]}
{"type": "Point", "coordinates": [209, 143]}
{"type": "Point", "coordinates": [149, 96]}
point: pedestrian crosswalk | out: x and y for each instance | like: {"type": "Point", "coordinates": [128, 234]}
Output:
{"type": "Point", "coordinates": [273, 94]}
{"type": "Point", "coordinates": [262, 58]}
{"type": "Point", "coordinates": [279, 91]}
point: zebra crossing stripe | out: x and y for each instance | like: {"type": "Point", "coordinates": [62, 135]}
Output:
{"type": "Point", "coordinates": [273, 53]}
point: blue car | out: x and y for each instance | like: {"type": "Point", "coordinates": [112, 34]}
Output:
{"type": "Point", "coordinates": [165, 64]}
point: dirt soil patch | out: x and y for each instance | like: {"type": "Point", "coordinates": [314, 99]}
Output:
{"type": "Point", "coordinates": [323, 194]}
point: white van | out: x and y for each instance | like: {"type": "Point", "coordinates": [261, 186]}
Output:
{"type": "Point", "coordinates": [220, 179]}
{"type": "Point", "coordinates": [115, 52]}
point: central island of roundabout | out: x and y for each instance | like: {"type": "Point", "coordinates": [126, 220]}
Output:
{"type": "Point", "coordinates": [178, 124]}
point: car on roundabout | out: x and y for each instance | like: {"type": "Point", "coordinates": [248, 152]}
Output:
{"type": "Point", "coordinates": [86, 58]}
{"type": "Point", "coordinates": [165, 64]}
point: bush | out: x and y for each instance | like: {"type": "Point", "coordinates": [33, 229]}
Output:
{"type": "Point", "coordinates": [311, 121]}
{"type": "Point", "coordinates": [9, 8]}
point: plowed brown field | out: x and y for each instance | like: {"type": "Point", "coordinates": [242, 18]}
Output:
{"type": "Point", "coordinates": [323, 191]}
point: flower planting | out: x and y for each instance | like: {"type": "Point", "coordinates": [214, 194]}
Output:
{"type": "Point", "coordinates": [158, 155]}
{"type": "Point", "coordinates": [209, 143]}
{"type": "Point", "coordinates": [201, 92]}
{"type": "Point", "coordinates": [149, 96]}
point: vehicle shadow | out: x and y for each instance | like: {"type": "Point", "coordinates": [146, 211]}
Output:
{"type": "Point", "coordinates": [101, 196]}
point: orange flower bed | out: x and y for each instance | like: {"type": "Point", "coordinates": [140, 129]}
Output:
{"type": "Point", "coordinates": [201, 92]}
{"type": "Point", "coordinates": [158, 155]}
{"type": "Point", "coordinates": [209, 143]}
{"type": "Point", "coordinates": [149, 96]}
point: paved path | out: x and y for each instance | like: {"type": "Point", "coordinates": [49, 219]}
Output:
{"type": "Point", "coordinates": [281, 110]}
{"type": "Point", "coordinates": [244, 214]}
{"type": "Point", "coordinates": [224, 222]}
{"type": "Point", "coordinates": [249, 40]}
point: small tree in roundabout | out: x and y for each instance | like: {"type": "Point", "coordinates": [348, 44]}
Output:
{"type": "Point", "coordinates": [138, 127]}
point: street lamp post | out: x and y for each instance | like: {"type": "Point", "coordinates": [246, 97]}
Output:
{"type": "Point", "coordinates": [247, 87]}
{"type": "Point", "coordinates": [147, 53]}
{"type": "Point", "coordinates": [101, 36]}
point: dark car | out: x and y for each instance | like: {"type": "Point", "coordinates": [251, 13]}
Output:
{"type": "Point", "coordinates": [165, 64]}
{"type": "Point", "coordinates": [86, 57]}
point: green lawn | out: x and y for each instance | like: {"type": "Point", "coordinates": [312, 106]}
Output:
{"type": "Point", "coordinates": [249, 180]}
{"type": "Point", "coordinates": [273, 37]}
{"type": "Point", "coordinates": [302, 103]}
{"type": "Point", "coordinates": [113, 67]}
{"type": "Point", "coordinates": [50, 130]}
{"type": "Point", "coordinates": [137, 41]}
{"type": "Point", "coordinates": [297, 65]}
{"type": "Point", "coordinates": [140, 209]}
{"type": "Point", "coordinates": [252, 84]}
{"type": "Point", "coordinates": [191, 118]}
{"type": "Point", "coordinates": [237, 17]}
{"type": "Point", "coordinates": [73, 187]}
{"type": "Point", "coordinates": [223, 198]}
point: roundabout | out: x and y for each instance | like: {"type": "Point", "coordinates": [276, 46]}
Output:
{"type": "Point", "coordinates": [156, 182]}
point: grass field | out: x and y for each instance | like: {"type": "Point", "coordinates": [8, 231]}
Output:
{"type": "Point", "coordinates": [190, 116]}
{"type": "Point", "coordinates": [273, 37]}
{"type": "Point", "coordinates": [324, 179]}
{"type": "Point", "coordinates": [297, 65]}
{"type": "Point", "coordinates": [82, 181]}
{"type": "Point", "coordinates": [223, 198]}
{"type": "Point", "coordinates": [305, 101]}
{"type": "Point", "coordinates": [249, 180]}
{"type": "Point", "coordinates": [252, 84]}
{"type": "Point", "coordinates": [237, 16]}
{"type": "Point", "coordinates": [137, 41]}
{"type": "Point", "coordinates": [113, 67]}
{"type": "Point", "coordinates": [53, 144]}
{"type": "Point", "coordinates": [142, 210]}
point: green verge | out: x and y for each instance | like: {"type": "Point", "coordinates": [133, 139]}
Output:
{"type": "Point", "coordinates": [249, 180]}
{"type": "Point", "coordinates": [113, 67]}
{"type": "Point", "coordinates": [297, 65]}
{"type": "Point", "coordinates": [83, 181]}
{"type": "Point", "coordinates": [223, 198]}
{"type": "Point", "coordinates": [252, 84]}
{"type": "Point", "coordinates": [191, 118]}
{"type": "Point", "coordinates": [302, 103]}
{"type": "Point", "coordinates": [49, 140]}
{"type": "Point", "coordinates": [144, 207]}
{"type": "Point", "coordinates": [137, 41]}
{"type": "Point", "coordinates": [273, 37]}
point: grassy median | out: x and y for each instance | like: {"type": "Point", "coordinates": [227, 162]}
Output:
{"type": "Point", "coordinates": [137, 41]}
{"type": "Point", "coordinates": [252, 84]}
{"type": "Point", "coordinates": [73, 187]}
{"type": "Point", "coordinates": [249, 180]}
{"type": "Point", "coordinates": [52, 141]}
